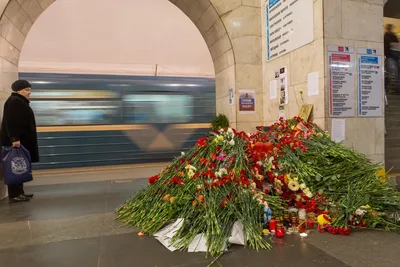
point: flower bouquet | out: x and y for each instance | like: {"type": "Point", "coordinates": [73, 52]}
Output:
{"type": "Point", "coordinates": [231, 184]}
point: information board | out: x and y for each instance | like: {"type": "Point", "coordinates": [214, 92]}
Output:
{"type": "Point", "coordinates": [370, 84]}
{"type": "Point", "coordinates": [290, 25]}
{"type": "Point", "coordinates": [341, 81]}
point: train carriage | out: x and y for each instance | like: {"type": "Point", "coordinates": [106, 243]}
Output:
{"type": "Point", "coordinates": [87, 120]}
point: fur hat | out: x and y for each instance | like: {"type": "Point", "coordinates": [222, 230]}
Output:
{"type": "Point", "coordinates": [20, 85]}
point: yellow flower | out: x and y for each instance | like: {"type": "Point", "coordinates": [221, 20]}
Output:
{"type": "Point", "coordinates": [172, 200]}
{"type": "Point", "coordinates": [367, 207]}
{"type": "Point", "coordinates": [381, 175]}
{"type": "Point", "coordinates": [300, 91]}
{"type": "Point", "coordinates": [320, 134]}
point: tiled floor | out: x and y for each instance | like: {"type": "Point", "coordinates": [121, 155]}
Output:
{"type": "Point", "coordinates": [72, 225]}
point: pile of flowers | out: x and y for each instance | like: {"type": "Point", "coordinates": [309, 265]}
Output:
{"type": "Point", "coordinates": [233, 178]}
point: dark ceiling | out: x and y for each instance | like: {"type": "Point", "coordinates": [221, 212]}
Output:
{"type": "Point", "coordinates": [392, 9]}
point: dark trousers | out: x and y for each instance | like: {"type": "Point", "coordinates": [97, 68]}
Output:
{"type": "Point", "coordinates": [15, 190]}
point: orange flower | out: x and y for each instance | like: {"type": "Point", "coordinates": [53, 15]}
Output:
{"type": "Point", "coordinates": [166, 197]}
{"type": "Point", "coordinates": [141, 234]}
{"type": "Point", "coordinates": [201, 198]}
{"type": "Point", "coordinates": [172, 200]}
{"type": "Point", "coordinates": [194, 203]}
{"type": "Point", "coordinates": [181, 174]}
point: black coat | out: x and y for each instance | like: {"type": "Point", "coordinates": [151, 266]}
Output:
{"type": "Point", "coordinates": [19, 125]}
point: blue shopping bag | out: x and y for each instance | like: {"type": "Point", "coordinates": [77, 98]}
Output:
{"type": "Point", "coordinates": [17, 166]}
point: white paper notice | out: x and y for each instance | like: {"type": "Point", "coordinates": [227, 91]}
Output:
{"type": "Point", "coordinates": [273, 89]}
{"type": "Point", "coordinates": [338, 130]}
{"type": "Point", "coordinates": [313, 83]}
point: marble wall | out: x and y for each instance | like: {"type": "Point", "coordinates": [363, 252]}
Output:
{"type": "Point", "coordinates": [335, 23]}
{"type": "Point", "coordinates": [231, 29]}
{"type": "Point", "coordinates": [364, 30]}
{"type": "Point", "coordinates": [299, 63]}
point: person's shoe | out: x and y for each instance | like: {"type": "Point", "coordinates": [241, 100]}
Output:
{"type": "Point", "coordinates": [28, 195]}
{"type": "Point", "coordinates": [21, 198]}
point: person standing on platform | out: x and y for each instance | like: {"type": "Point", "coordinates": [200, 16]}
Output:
{"type": "Point", "coordinates": [392, 58]}
{"type": "Point", "coordinates": [19, 128]}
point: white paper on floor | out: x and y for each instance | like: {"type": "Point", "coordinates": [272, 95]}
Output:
{"type": "Point", "coordinates": [166, 234]}
{"type": "Point", "coordinates": [237, 234]}
{"type": "Point", "coordinates": [199, 243]}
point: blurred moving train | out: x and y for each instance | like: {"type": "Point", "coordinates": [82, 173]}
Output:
{"type": "Point", "coordinates": [95, 120]}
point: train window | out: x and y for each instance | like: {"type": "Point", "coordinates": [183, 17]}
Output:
{"type": "Point", "coordinates": [146, 108]}
{"type": "Point", "coordinates": [82, 112]}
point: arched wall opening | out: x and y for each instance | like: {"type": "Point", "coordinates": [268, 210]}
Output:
{"type": "Point", "coordinates": [19, 16]}
{"type": "Point", "coordinates": [17, 20]}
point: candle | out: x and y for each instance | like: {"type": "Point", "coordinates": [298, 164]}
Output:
{"type": "Point", "coordinates": [302, 214]}
{"type": "Point", "coordinates": [280, 232]}
{"type": "Point", "coordinates": [272, 225]}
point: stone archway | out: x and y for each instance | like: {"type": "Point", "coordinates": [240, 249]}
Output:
{"type": "Point", "coordinates": [231, 29]}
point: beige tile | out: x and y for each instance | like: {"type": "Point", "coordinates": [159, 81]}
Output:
{"type": "Point", "coordinates": [367, 27]}
{"type": "Point", "coordinates": [224, 61]}
{"type": "Point", "coordinates": [220, 47]}
{"type": "Point", "coordinates": [249, 76]}
{"type": "Point", "coordinates": [207, 19]}
{"type": "Point", "coordinates": [221, 63]}
{"type": "Point", "coordinates": [247, 50]}
{"type": "Point", "coordinates": [223, 107]}
{"type": "Point", "coordinates": [252, 3]}
{"type": "Point", "coordinates": [213, 34]}
{"type": "Point", "coordinates": [27, 27]}
{"type": "Point", "coordinates": [8, 51]}
{"type": "Point", "coordinates": [379, 136]}
{"type": "Point", "coordinates": [359, 136]}
{"type": "Point", "coordinates": [223, 81]}
{"type": "Point", "coordinates": [204, 4]}
{"type": "Point", "coordinates": [32, 8]}
{"type": "Point", "coordinates": [11, 33]}
{"type": "Point", "coordinates": [332, 18]}
{"type": "Point", "coordinates": [309, 58]}
{"type": "Point", "coordinates": [377, 2]}
{"type": "Point", "coordinates": [377, 158]}
{"type": "Point", "coordinates": [184, 5]}
{"type": "Point", "coordinates": [243, 21]}
{"type": "Point", "coordinates": [3, 4]}
{"type": "Point", "coordinates": [318, 19]}
{"type": "Point", "coordinates": [9, 75]}
{"type": "Point", "coordinates": [45, 3]}
{"type": "Point", "coordinates": [16, 14]}
{"type": "Point", "coordinates": [230, 57]}
{"type": "Point", "coordinates": [196, 10]}
{"type": "Point", "coordinates": [225, 6]}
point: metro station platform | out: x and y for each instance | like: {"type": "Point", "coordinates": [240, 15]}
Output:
{"type": "Point", "coordinates": [70, 222]}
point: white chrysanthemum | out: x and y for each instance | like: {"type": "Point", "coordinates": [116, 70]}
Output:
{"type": "Point", "coordinates": [253, 184]}
{"type": "Point", "coordinates": [298, 197]}
{"type": "Point", "coordinates": [223, 171]}
{"type": "Point", "coordinates": [182, 153]}
{"type": "Point", "coordinates": [360, 212]}
{"type": "Point", "coordinates": [309, 194]}
{"type": "Point", "coordinates": [294, 185]}
{"type": "Point", "coordinates": [232, 142]}
{"type": "Point", "coordinates": [303, 186]}
{"type": "Point", "coordinates": [218, 174]}
{"type": "Point", "coordinates": [259, 163]}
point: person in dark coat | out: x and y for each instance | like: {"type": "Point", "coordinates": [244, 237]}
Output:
{"type": "Point", "coordinates": [19, 128]}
